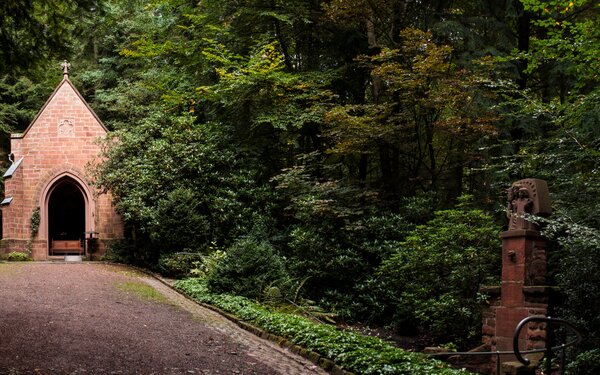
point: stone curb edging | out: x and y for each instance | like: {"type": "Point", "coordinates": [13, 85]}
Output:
{"type": "Point", "coordinates": [325, 363]}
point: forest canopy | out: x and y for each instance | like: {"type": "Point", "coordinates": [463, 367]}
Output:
{"type": "Point", "coordinates": [343, 150]}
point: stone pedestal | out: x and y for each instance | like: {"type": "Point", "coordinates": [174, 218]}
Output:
{"type": "Point", "coordinates": [523, 267]}
{"type": "Point", "coordinates": [523, 291]}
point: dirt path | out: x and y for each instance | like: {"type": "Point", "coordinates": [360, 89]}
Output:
{"type": "Point", "coordinates": [89, 318]}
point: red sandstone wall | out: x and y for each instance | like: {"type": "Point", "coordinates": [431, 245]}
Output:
{"type": "Point", "coordinates": [61, 140]}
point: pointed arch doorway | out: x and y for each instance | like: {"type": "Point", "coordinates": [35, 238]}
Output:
{"type": "Point", "coordinates": [67, 209]}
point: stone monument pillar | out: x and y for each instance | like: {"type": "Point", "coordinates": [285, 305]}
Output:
{"type": "Point", "coordinates": [523, 290]}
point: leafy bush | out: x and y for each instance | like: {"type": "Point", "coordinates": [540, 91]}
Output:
{"type": "Point", "coordinates": [435, 274]}
{"type": "Point", "coordinates": [180, 221]}
{"type": "Point", "coordinates": [579, 281]}
{"type": "Point", "coordinates": [191, 186]}
{"type": "Point", "coordinates": [338, 235]}
{"type": "Point", "coordinates": [178, 264]}
{"type": "Point", "coordinates": [575, 269]}
{"type": "Point", "coordinates": [17, 256]}
{"type": "Point", "coordinates": [206, 266]}
{"type": "Point", "coordinates": [249, 267]}
{"type": "Point", "coordinates": [338, 261]}
{"type": "Point", "coordinates": [121, 251]}
{"type": "Point", "coordinates": [355, 352]}
{"type": "Point", "coordinates": [329, 263]}
{"type": "Point", "coordinates": [586, 363]}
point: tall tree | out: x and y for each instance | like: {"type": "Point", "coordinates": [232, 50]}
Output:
{"type": "Point", "coordinates": [32, 30]}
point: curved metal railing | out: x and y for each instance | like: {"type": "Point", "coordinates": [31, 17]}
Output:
{"type": "Point", "coordinates": [548, 350]}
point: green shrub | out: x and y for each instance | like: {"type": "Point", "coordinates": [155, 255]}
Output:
{"type": "Point", "coordinates": [120, 251]}
{"type": "Point", "coordinates": [355, 352]}
{"type": "Point", "coordinates": [574, 267]}
{"type": "Point", "coordinates": [579, 282]}
{"type": "Point", "coordinates": [206, 266]}
{"type": "Point", "coordinates": [179, 221]}
{"type": "Point", "coordinates": [586, 363]}
{"type": "Point", "coordinates": [177, 265]}
{"type": "Point", "coordinates": [328, 262]}
{"type": "Point", "coordinates": [435, 274]}
{"type": "Point", "coordinates": [17, 256]}
{"type": "Point", "coordinates": [249, 267]}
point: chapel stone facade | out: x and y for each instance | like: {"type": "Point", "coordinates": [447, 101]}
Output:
{"type": "Point", "coordinates": [51, 208]}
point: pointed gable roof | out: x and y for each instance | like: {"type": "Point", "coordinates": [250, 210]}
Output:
{"type": "Point", "coordinates": [65, 81]}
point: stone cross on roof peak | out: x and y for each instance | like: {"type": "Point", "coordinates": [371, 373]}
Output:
{"type": "Point", "coordinates": [66, 66]}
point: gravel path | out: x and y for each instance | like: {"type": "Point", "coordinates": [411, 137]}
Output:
{"type": "Point", "coordinates": [92, 318]}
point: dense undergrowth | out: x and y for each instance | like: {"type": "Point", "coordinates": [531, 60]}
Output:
{"type": "Point", "coordinates": [355, 352]}
{"type": "Point", "coordinates": [421, 281]}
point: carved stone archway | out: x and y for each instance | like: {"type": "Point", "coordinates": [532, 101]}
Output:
{"type": "Point", "coordinates": [67, 208]}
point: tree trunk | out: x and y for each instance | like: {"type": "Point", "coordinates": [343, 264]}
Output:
{"type": "Point", "coordinates": [372, 39]}
{"type": "Point", "coordinates": [389, 162]}
{"type": "Point", "coordinates": [363, 165]}
{"type": "Point", "coordinates": [431, 156]}
{"type": "Point", "coordinates": [282, 44]}
{"type": "Point", "coordinates": [523, 34]}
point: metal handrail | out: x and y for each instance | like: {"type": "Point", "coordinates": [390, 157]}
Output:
{"type": "Point", "coordinates": [549, 350]}
{"type": "Point", "coordinates": [497, 353]}
{"type": "Point", "coordinates": [519, 353]}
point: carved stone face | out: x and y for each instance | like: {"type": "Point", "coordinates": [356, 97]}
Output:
{"type": "Point", "coordinates": [527, 196]}
{"type": "Point", "coordinates": [523, 193]}
{"type": "Point", "coordinates": [513, 193]}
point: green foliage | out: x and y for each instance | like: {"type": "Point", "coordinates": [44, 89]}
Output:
{"type": "Point", "coordinates": [178, 265]}
{"type": "Point", "coordinates": [120, 251]}
{"type": "Point", "coordinates": [286, 296]}
{"type": "Point", "coordinates": [586, 363]}
{"type": "Point", "coordinates": [361, 354]}
{"type": "Point", "coordinates": [19, 99]}
{"type": "Point", "coordinates": [206, 266]}
{"type": "Point", "coordinates": [35, 222]}
{"type": "Point", "coordinates": [421, 118]}
{"type": "Point", "coordinates": [580, 284]}
{"type": "Point", "coordinates": [34, 227]}
{"type": "Point", "coordinates": [434, 275]}
{"type": "Point", "coordinates": [574, 268]}
{"type": "Point", "coordinates": [31, 31]}
{"type": "Point", "coordinates": [337, 235]}
{"type": "Point", "coordinates": [186, 190]}
{"type": "Point", "coordinates": [179, 220]}
{"type": "Point", "coordinates": [570, 35]}
{"type": "Point", "coordinates": [17, 256]}
{"type": "Point", "coordinates": [248, 268]}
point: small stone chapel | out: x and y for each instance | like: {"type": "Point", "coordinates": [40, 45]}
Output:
{"type": "Point", "coordinates": [50, 208]}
